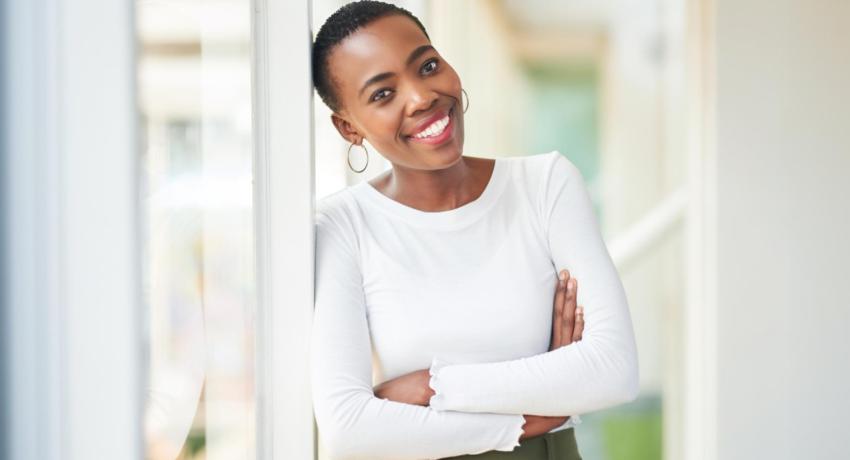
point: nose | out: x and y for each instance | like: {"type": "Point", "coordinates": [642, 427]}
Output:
{"type": "Point", "coordinates": [421, 98]}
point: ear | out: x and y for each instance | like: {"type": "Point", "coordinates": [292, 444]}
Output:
{"type": "Point", "coordinates": [346, 130]}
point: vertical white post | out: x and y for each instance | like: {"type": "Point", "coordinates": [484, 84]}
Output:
{"type": "Point", "coordinates": [700, 315]}
{"type": "Point", "coordinates": [284, 200]}
{"type": "Point", "coordinates": [71, 344]}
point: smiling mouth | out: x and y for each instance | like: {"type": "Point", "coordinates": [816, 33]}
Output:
{"type": "Point", "coordinates": [437, 130]}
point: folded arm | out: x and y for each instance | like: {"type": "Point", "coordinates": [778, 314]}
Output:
{"type": "Point", "coordinates": [597, 372]}
{"type": "Point", "coordinates": [353, 423]}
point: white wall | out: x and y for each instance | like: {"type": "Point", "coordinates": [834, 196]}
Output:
{"type": "Point", "coordinates": [783, 221]}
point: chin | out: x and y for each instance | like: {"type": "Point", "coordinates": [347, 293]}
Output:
{"type": "Point", "coordinates": [451, 157]}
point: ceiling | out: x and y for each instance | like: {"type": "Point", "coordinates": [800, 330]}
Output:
{"type": "Point", "coordinates": [556, 15]}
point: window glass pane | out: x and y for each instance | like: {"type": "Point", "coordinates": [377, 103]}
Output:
{"type": "Point", "coordinates": [194, 83]}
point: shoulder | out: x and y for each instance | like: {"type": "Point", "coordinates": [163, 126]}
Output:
{"type": "Point", "coordinates": [332, 206]}
{"type": "Point", "coordinates": [340, 206]}
{"type": "Point", "coordinates": [335, 217]}
{"type": "Point", "coordinates": [555, 163]}
{"type": "Point", "coordinates": [544, 173]}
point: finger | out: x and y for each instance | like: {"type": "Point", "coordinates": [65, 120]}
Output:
{"type": "Point", "coordinates": [579, 327]}
{"type": "Point", "coordinates": [556, 334]}
{"type": "Point", "coordinates": [560, 294]}
{"type": "Point", "coordinates": [556, 312]}
{"type": "Point", "coordinates": [560, 298]}
{"type": "Point", "coordinates": [569, 311]}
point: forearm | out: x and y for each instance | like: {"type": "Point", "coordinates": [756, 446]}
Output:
{"type": "Point", "coordinates": [361, 426]}
{"type": "Point", "coordinates": [413, 388]}
{"type": "Point", "coordinates": [581, 377]}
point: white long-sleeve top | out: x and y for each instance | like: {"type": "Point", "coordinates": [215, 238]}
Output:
{"type": "Point", "coordinates": [467, 293]}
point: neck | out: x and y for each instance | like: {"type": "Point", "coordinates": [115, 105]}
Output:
{"type": "Point", "coordinates": [433, 190]}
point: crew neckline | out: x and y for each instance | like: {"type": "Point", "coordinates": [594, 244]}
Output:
{"type": "Point", "coordinates": [451, 218]}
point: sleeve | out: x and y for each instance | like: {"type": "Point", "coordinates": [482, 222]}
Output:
{"type": "Point", "coordinates": [353, 423]}
{"type": "Point", "coordinates": [597, 372]}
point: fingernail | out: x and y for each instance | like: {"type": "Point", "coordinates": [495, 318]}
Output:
{"type": "Point", "coordinates": [562, 275]}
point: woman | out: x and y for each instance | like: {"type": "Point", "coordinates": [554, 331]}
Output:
{"type": "Point", "coordinates": [437, 278]}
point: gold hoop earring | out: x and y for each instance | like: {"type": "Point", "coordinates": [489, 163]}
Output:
{"type": "Point", "coordinates": [467, 100]}
{"type": "Point", "coordinates": [349, 158]}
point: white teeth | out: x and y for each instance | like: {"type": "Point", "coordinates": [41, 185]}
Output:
{"type": "Point", "coordinates": [434, 129]}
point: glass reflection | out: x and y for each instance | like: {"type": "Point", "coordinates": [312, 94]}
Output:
{"type": "Point", "coordinates": [195, 98]}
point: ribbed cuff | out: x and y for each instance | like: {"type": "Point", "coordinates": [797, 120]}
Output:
{"type": "Point", "coordinates": [571, 422]}
{"type": "Point", "coordinates": [513, 434]}
{"type": "Point", "coordinates": [438, 400]}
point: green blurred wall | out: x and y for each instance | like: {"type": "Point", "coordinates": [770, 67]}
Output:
{"type": "Point", "coordinates": [565, 97]}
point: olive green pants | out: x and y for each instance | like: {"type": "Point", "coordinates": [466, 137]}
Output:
{"type": "Point", "coordinates": [560, 445]}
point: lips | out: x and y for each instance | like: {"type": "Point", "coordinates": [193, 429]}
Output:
{"type": "Point", "coordinates": [439, 139]}
{"type": "Point", "coordinates": [428, 122]}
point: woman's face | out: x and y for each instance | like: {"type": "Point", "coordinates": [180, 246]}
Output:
{"type": "Point", "coordinates": [392, 85]}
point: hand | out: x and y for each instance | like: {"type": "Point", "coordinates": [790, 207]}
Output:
{"type": "Point", "coordinates": [410, 388]}
{"type": "Point", "coordinates": [567, 327]}
{"type": "Point", "coordinates": [535, 425]}
{"type": "Point", "coordinates": [567, 318]}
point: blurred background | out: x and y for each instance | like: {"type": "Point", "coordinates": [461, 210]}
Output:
{"type": "Point", "coordinates": [194, 84]}
{"type": "Point", "coordinates": [153, 195]}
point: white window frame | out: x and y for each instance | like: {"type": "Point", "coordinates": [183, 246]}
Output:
{"type": "Point", "coordinates": [284, 198]}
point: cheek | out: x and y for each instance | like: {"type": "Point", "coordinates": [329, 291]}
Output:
{"type": "Point", "coordinates": [385, 125]}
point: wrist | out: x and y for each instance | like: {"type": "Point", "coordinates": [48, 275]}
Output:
{"type": "Point", "coordinates": [427, 391]}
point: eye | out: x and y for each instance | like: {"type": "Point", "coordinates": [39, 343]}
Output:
{"type": "Point", "coordinates": [376, 93]}
{"type": "Point", "coordinates": [431, 61]}
{"type": "Point", "coordinates": [376, 96]}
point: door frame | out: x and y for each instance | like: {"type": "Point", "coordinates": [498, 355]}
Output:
{"type": "Point", "coordinates": [284, 198]}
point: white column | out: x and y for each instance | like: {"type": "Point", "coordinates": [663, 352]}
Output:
{"type": "Point", "coordinates": [284, 198]}
{"type": "Point", "coordinates": [71, 317]}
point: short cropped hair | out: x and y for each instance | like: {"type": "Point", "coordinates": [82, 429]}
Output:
{"type": "Point", "coordinates": [337, 27]}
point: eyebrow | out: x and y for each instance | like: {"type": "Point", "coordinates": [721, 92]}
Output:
{"type": "Point", "coordinates": [419, 51]}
